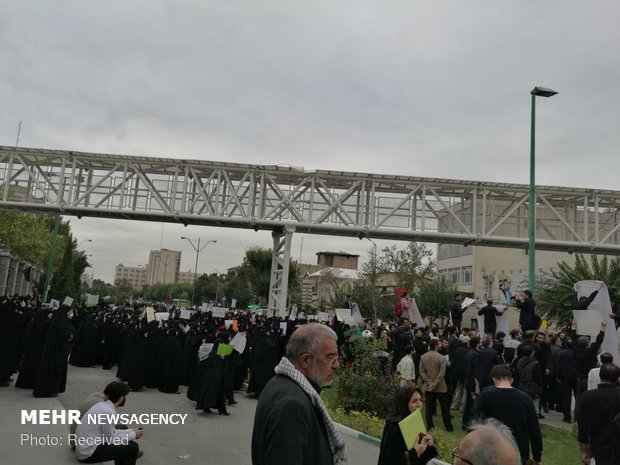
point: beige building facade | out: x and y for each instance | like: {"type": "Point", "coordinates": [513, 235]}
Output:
{"type": "Point", "coordinates": [492, 273]}
{"type": "Point", "coordinates": [186, 277]}
{"type": "Point", "coordinates": [134, 275]}
{"type": "Point", "coordinates": [163, 267]}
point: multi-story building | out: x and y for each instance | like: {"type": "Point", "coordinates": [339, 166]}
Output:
{"type": "Point", "coordinates": [186, 277]}
{"type": "Point", "coordinates": [499, 273]}
{"type": "Point", "coordinates": [163, 267]}
{"type": "Point", "coordinates": [134, 275]}
{"type": "Point", "coordinates": [316, 279]}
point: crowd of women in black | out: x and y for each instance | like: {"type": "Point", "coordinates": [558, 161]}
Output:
{"type": "Point", "coordinates": [38, 343]}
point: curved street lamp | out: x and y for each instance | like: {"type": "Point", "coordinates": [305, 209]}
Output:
{"type": "Point", "coordinates": [197, 249]}
{"type": "Point", "coordinates": [531, 251]}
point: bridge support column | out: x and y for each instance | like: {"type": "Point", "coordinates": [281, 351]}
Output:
{"type": "Point", "coordinates": [281, 259]}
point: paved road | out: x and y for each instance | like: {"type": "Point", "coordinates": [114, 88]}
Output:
{"type": "Point", "coordinates": [212, 439]}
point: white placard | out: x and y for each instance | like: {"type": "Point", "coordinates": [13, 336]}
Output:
{"type": "Point", "coordinates": [159, 316]}
{"type": "Point", "coordinates": [283, 327]}
{"type": "Point", "coordinates": [218, 312]}
{"type": "Point", "coordinates": [68, 301]}
{"type": "Point", "coordinates": [54, 304]}
{"type": "Point", "coordinates": [601, 309]}
{"type": "Point", "coordinates": [92, 299]}
{"type": "Point", "coordinates": [502, 323]}
{"type": "Point", "coordinates": [588, 323]}
{"type": "Point", "coordinates": [233, 303]}
{"type": "Point", "coordinates": [186, 314]}
{"type": "Point", "coordinates": [356, 314]}
{"type": "Point", "coordinates": [414, 314]}
{"type": "Point", "coordinates": [341, 313]}
{"type": "Point", "coordinates": [322, 316]}
{"type": "Point", "coordinates": [239, 342]}
{"type": "Point", "coordinates": [228, 323]}
{"type": "Point", "coordinates": [150, 314]}
{"type": "Point", "coordinates": [467, 302]}
{"type": "Point", "coordinates": [349, 320]}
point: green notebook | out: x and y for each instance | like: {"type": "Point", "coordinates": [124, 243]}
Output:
{"type": "Point", "coordinates": [411, 427]}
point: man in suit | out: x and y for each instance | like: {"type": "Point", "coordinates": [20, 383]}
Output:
{"type": "Point", "coordinates": [433, 367]}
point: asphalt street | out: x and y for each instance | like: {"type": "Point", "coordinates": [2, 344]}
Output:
{"type": "Point", "coordinates": [212, 439]}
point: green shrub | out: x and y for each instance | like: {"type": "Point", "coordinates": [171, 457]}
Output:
{"type": "Point", "coordinates": [368, 384]}
{"type": "Point", "coordinates": [361, 421]}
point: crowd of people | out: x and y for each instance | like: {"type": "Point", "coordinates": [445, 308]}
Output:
{"type": "Point", "coordinates": [513, 378]}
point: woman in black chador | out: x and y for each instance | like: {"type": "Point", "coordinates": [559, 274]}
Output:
{"type": "Point", "coordinates": [52, 375]}
{"type": "Point", "coordinates": [84, 352]}
{"type": "Point", "coordinates": [215, 380]}
{"type": "Point", "coordinates": [35, 343]}
{"type": "Point", "coordinates": [189, 357]}
{"type": "Point", "coordinates": [137, 365]}
{"type": "Point", "coordinates": [267, 355]}
{"type": "Point", "coordinates": [169, 362]}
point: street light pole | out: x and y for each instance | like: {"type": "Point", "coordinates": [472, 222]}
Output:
{"type": "Point", "coordinates": [50, 258]}
{"type": "Point", "coordinates": [374, 278]}
{"type": "Point", "coordinates": [217, 287]}
{"type": "Point", "coordinates": [197, 249]}
{"type": "Point", "coordinates": [531, 251]}
{"type": "Point", "coordinates": [82, 241]}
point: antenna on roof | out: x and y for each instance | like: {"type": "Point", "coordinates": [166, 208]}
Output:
{"type": "Point", "coordinates": [19, 131]}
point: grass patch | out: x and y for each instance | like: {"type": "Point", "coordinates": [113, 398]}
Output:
{"type": "Point", "coordinates": [559, 446]}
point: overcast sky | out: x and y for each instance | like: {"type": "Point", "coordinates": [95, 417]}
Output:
{"type": "Point", "coordinates": [420, 88]}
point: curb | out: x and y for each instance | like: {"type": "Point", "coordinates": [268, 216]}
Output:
{"type": "Point", "coordinates": [357, 434]}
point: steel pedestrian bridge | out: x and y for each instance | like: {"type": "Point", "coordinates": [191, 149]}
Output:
{"type": "Point", "coordinates": [287, 199]}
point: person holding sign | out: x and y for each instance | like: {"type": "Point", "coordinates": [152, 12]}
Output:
{"type": "Point", "coordinates": [394, 450]}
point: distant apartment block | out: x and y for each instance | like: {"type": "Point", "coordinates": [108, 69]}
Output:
{"type": "Point", "coordinates": [134, 275]}
{"type": "Point", "coordinates": [186, 277]}
{"type": "Point", "coordinates": [163, 267]}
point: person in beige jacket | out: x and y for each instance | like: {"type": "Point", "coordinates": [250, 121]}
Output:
{"type": "Point", "coordinates": [433, 367]}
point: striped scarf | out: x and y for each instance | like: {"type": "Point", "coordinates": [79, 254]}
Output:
{"type": "Point", "coordinates": [336, 443]}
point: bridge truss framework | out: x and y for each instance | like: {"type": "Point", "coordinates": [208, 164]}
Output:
{"type": "Point", "coordinates": [287, 199]}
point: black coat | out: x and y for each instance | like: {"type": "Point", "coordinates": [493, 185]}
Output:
{"type": "Point", "coordinates": [137, 365]}
{"type": "Point", "coordinates": [214, 382]}
{"type": "Point", "coordinates": [52, 374]}
{"type": "Point", "coordinates": [288, 428]}
{"type": "Point", "coordinates": [169, 363]}
{"type": "Point", "coordinates": [393, 448]}
{"type": "Point", "coordinates": [34, 350]}
{"type": "Point", "coordinates": [267, 355]}
{"type": "Point", "coordinates": [596, 411]}
{"type": "Point", "coordinates": [84, 352]}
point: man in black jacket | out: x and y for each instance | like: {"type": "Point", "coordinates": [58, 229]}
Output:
{"type": "Point", "coordinates": [513, 408]}
{"type": "Point", "coordinates": [473, 377]}
{"type": "Point", "coordinates": [456, 312]}
{"type": "Point", "coordinates": [291, 424]}
{"type": "Point", "coordinates": [595, 415]}
{"type": "Point", "coordinates": [585, 354]}
{"type": "Point", "coordinates": [490, 314]}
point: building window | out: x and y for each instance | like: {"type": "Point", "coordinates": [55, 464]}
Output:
{"type": "Point", "coordinates": [443, 251]}
{"type": "Point", "coordinates": [466, 275]}
{"type": "Point", "coordinates": [454, 275]}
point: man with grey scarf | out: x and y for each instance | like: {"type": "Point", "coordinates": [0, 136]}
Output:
{"type": "Point", "coordinates": [291, 425]}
